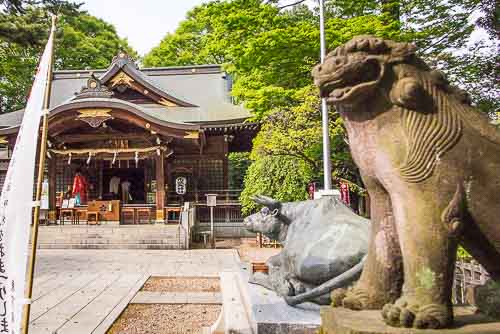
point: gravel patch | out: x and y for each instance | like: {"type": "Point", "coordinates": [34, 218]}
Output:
{"type": "Point", "coordinates": [165, 318]}
{"type": "Point", "coordinates": [184, 284]}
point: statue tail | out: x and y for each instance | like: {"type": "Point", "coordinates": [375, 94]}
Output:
{"type": "Point", "coordinates": [337, 282]}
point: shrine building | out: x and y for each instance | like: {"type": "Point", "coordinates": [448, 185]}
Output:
{"type": "Point", "coordinates": [144, 142]}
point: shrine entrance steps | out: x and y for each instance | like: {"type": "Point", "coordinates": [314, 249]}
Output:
{"type": "Point", "coordinates": [154, 236]}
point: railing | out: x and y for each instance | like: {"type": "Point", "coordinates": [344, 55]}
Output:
{"type": "Point", "coordinates": [467, 274]}
{"type": "Point", "coordinates": [223, 213]}
{"type": "Point", "coordinates": [223, 196]}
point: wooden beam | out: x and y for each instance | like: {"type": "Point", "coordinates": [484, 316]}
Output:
{"type": "Point", "coordinates": [78, 138]}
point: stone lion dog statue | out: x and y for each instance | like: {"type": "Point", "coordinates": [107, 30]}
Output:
{"type": "Point", "coordinates": [431, 165]}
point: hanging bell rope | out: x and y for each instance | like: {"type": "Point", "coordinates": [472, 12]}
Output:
{"type": "Point", "coordinates": [90, 158]}
{"type": "Point", "coordinates": [69, 159]}
{"type": "Point", "coordinates": [114, 158]}
{"type": "Point", "coordinates": [136, 159]}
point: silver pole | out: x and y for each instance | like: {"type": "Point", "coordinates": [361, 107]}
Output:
{"type": "Point", "coordinates": [327, 164]}
{"type": "Point", "coordinates": [212, 230]}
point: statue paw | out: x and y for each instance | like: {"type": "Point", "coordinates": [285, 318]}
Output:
{"type": "Point", "coordinates": [407, 314]}
{"type": "Point", "coordinates": [356, 299]}
{"type": "Point", "coordinates": [337, 296]}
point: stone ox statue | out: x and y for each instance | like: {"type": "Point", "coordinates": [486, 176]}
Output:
{"type": "Point", "coordinates": [431, 165]}
{"type": "Point", "coordinates": [323, 241]}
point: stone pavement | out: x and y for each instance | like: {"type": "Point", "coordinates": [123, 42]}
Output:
{"type": "Point", "coordinates": [83, 291]}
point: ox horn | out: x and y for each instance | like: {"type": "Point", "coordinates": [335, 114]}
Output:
{"type": "Point", "coordinates": [271, 203]}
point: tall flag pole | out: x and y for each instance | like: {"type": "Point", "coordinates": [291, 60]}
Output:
{"type": "Point", "coordinates": [16, 202]}
{"type": "Point", "coordinates": [327, 163]}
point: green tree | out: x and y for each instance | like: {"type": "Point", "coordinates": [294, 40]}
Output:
{"type": "Point", "coordinates": [20, 24]}
{"type": "Point", "coordinates": [82, 41]}
{"type": "Point", "coordinates": [283, 178]}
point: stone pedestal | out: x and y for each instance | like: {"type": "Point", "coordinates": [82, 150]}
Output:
{"type": "Point", "coordinates": [270, 314]}
{"type": "Point", "coordinates": [343, 321]}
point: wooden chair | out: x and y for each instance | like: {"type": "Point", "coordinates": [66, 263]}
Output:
{"type": "Point", "coordinates": [80, 213]}
{"type": "Point", "coordinates": [130, 212]}
{"type": "Point", "coordinates": [143, 212]}
{"type": "Point", "coordinates": [66, 211]}
{"type": "Point", "coordinates": [93, 214]}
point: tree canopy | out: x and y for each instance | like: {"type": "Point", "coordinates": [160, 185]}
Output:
{"type": "Point", "coordinates": [82, 41]}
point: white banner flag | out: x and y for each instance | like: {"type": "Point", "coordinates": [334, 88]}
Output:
{"type": "Point", "coordinates": [16, 203]}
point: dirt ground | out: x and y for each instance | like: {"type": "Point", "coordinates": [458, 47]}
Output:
{"type": "Point", "coordinates": [165, 319]}
{"type": "Point", "coordinates": [174, 284]}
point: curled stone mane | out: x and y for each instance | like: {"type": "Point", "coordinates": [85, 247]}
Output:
{"type": "Point", "coordinates": [388, 50]}
{"type": "Point", "coordinates": [429, 135]}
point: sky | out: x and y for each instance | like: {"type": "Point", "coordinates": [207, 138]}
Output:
{"type": "Point", "coordinates": [145, 22]}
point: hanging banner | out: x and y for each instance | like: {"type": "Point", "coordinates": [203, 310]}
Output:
{"type": "Point", "coordinates": [16, 203]}
{"type": "Point", "coordinates": [344, 193]}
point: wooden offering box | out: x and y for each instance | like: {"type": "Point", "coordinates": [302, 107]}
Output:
{"type": "Point", "coordinates": [108, 210]}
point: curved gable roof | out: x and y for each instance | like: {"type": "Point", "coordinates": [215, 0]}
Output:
{"type": "Point", "coordinates": [124, 63]}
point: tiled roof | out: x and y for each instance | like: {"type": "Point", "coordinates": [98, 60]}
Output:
{"type": "Point", "coordinates": [202, 93]}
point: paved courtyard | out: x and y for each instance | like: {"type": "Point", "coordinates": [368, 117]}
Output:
{"type": "Point", "coordinates": [83, 291]}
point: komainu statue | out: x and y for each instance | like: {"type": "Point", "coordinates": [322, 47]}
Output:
{"type": "Point", "coordinates": [431, 164]}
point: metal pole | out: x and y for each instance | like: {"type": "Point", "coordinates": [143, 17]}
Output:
{"type": "Point", "coordinates": [212, 230]}
{"type": "Point", "coordinates": [327, 164]}
{"type": "Point", "coordinates": [41, 169]}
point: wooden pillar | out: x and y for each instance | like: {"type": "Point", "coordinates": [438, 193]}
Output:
{"type": "Point", "coordinates": [52, 175]}
{"type": "Point", "coordinates": [225, 164]}
{"type": "Point", "coordinates": [160, 186]}
{"type": "Point", "coordinates": [100, 166]}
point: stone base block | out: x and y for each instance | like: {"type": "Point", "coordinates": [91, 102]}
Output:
{"type": "Point", "coordinates": [270, 314]}
{"type": "Point", "coordinates": [344, 321]}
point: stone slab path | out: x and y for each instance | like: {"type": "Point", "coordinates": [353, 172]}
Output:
{"type": "Point", "coordinates": [83, 291]}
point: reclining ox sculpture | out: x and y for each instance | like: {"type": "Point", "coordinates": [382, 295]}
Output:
{"type": "Point", "coordinates": [430, 163]}
{"type": "Point", "coordinates": [323, 241]}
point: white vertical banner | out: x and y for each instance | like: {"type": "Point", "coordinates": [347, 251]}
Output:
{"type": "Point", "coordinates": [16, 203]}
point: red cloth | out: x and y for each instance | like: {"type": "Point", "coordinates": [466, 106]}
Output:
{"type": "Point", "coordinates": [80, 186]}
{"type": "Point", "coordinates": [344, 193]}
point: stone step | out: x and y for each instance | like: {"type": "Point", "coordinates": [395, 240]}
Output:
{"type": "Point", "coordinates": [111, 237]}
{"type": "Point", "coordinates": [109, 246]}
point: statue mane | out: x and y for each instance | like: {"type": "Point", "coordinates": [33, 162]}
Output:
{"type": "Point", "coordinates": [431, 134]}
